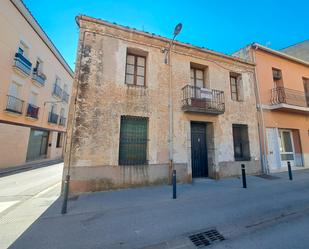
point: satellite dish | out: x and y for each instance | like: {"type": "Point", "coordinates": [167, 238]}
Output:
{"type": "Point", "coordinates": [177, 29]}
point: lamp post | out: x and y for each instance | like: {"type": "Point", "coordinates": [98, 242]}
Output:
{"type": "Point", "coordinates": [168, 58]}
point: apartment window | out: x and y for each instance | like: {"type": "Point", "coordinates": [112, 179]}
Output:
{"type": "Point", "coordinates": [133, 140]}
{"type": "Point", "coordinates": [197, 77]}
{"type": "Point", "coordinates": [235, 85]}
{"type": "Point", "coordinates": [277, 77]}
{"type": "Point", "coordinates": [241, 142]}
{"type": "Point", "coordinates": [23, 49]}
{"type": "Point", "coordinates": [59, 140]}
{"type": "Point", "coordinates": [135, 70]}
{"type": "Point", "coordinates": [306, 88]}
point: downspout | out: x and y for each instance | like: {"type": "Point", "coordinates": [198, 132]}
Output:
{"type": "Point", "coordinates": [262, 133]}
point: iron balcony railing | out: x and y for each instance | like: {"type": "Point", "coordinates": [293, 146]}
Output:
{"type": "Point", "coordinates": [196, 99]}
{"type": "Point", "coordinates": [22, 63]}
{"type": "Point", "coordinates": [14, 104]}
{"type": "Point", "coordinates": [33, 111]}
{"type": "Point", "coordinates": [281, 95]}
{"type": "Point", "coordinates": [53, 118]}
{"type": "Point", "coordinates": [62, 121]}
{"type": "Point", "coordinates": [38, 77]}
{"type": "Point", "coordinates": [65, 96]}
{"type": "Point", "coordinates": [57, 91]}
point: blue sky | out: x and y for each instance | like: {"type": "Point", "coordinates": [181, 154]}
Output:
{"type": "Point", "coordinates": [220, 25]}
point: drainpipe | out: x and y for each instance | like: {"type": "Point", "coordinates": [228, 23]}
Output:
{"type": "Point", "coordinates": [262, 130]}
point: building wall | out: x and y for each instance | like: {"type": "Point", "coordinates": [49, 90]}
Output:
{"type": "Point", "coordinates": [14, 29]}
{"type": "Point", "coordinates": [292, 74]}
{"type": "Point", "coordinates": [13, 139]}
{"type": "Point", "coordinates": [103, 97]}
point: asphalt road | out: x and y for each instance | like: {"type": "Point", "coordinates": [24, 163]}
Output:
{"type": "Point", "coordinates": [24, 197]}
{"type": "Point", "coordinates": [270, 214]}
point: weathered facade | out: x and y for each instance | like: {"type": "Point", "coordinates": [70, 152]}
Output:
{"type": "Point", "coordinates": [119, 131]}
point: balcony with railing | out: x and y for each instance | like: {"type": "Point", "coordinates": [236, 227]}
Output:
{"type": "Point", "coordinates": [38, 77]}
{"type": "Point", "coordinates": [21, 63]}
{"type": "Point", "coordinates": [53, 118]}
{"type": "Point", "coordinates": [57, 90]}
{"type": "Point", "coordinates": [289, 99]}
{"type": "Point", "coordinates": [14, 104]}
{"type": "Point", "coordinates": [65, 97]}
{"type": "Point", "coordinates": [202, 100]}
{"type": "Point", "coordinates": [33, 111]}
{"type": "Point", "coordinates": [62, 121]}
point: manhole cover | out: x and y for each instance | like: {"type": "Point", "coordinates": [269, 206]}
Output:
{"type": "Point", "coordinates": [206, 238]}
{"type": "Point", "coordinates": [268, 177]}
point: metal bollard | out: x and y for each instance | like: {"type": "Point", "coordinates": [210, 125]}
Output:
{"type": "Point", "coordinates": [290, 171]}
{"type": "Point", "coordinates": [243, 173]}
{"type": "Point", "coordinates": [174, 184]}
{"type": "Point", "coordinates": [65, 194]}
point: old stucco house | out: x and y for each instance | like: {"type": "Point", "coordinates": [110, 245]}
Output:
{"type": "Point", "coordinates": [136, 113]}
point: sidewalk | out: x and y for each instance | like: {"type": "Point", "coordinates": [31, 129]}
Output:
{"type": "Point", "coordinates": [28, 166]}
{"type": "Point", "coordinates": [150, 218]}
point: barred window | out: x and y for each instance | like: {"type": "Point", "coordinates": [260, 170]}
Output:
{"type": "Point", "coordinates": [241, 142]}
{"type": "Point", "coordinates": [135, 70]}
{"type": "Point", "coordinates": [133, 140]}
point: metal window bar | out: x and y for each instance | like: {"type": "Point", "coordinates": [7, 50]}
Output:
{"type": "Point", "coordinates": [14, 104]}
{"type": "Point", "coordinates": [133, 140]}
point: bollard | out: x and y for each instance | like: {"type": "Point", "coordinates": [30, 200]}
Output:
{"type": "Point", "coordinates": [65, 194]}
{"type": "Point", "coordinates": [243, 173]}
{"type": "Point", "coordinates": [174, 184]}
{"type": "Point", "coordinates": [290, 171]}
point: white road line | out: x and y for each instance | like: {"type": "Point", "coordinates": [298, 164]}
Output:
{"type": "Point", "coordinates": [5, 205]}
{"type": "Point", "coordinates": [46, 190]}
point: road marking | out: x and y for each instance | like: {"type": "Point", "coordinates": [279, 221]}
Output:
{"type": "Point", "coordinates": [46, 190]}
{"type": "Point", "coordinates": [5, 205]}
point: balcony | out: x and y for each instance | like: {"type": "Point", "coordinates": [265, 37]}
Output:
{"type": "Point", "coordinates": [57, 91]}
{"type": "Point", "coordinates": [38, 77]}
{"type": "Point", "coordinates": [65, 97]}
{"type": "Point", "coordinates": [53, 118]}
{"type": "Point", "coordinates": [289, 100]}
{"type": "Point", "coordinates": [62, 121]}
{"type": "Point", "coordinates": [22, 64]}
{"type": "Point", "coordinates": [33, 111]}
{"type": "Point", "coordinates": [14, 105]}
{"type": "Point", "coordinates": [202, 100]}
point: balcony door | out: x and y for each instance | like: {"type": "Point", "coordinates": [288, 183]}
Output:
{"type": "Point", "coordinates": [286, 146]}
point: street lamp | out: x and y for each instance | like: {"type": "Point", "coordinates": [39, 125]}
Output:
{"type": "Point", "coordinates": [177, 30]}
{"type": "Point", "coordinates": [168, 57]}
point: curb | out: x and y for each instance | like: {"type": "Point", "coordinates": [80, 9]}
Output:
{"type": "Point", "coordinates": [27, 167]}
